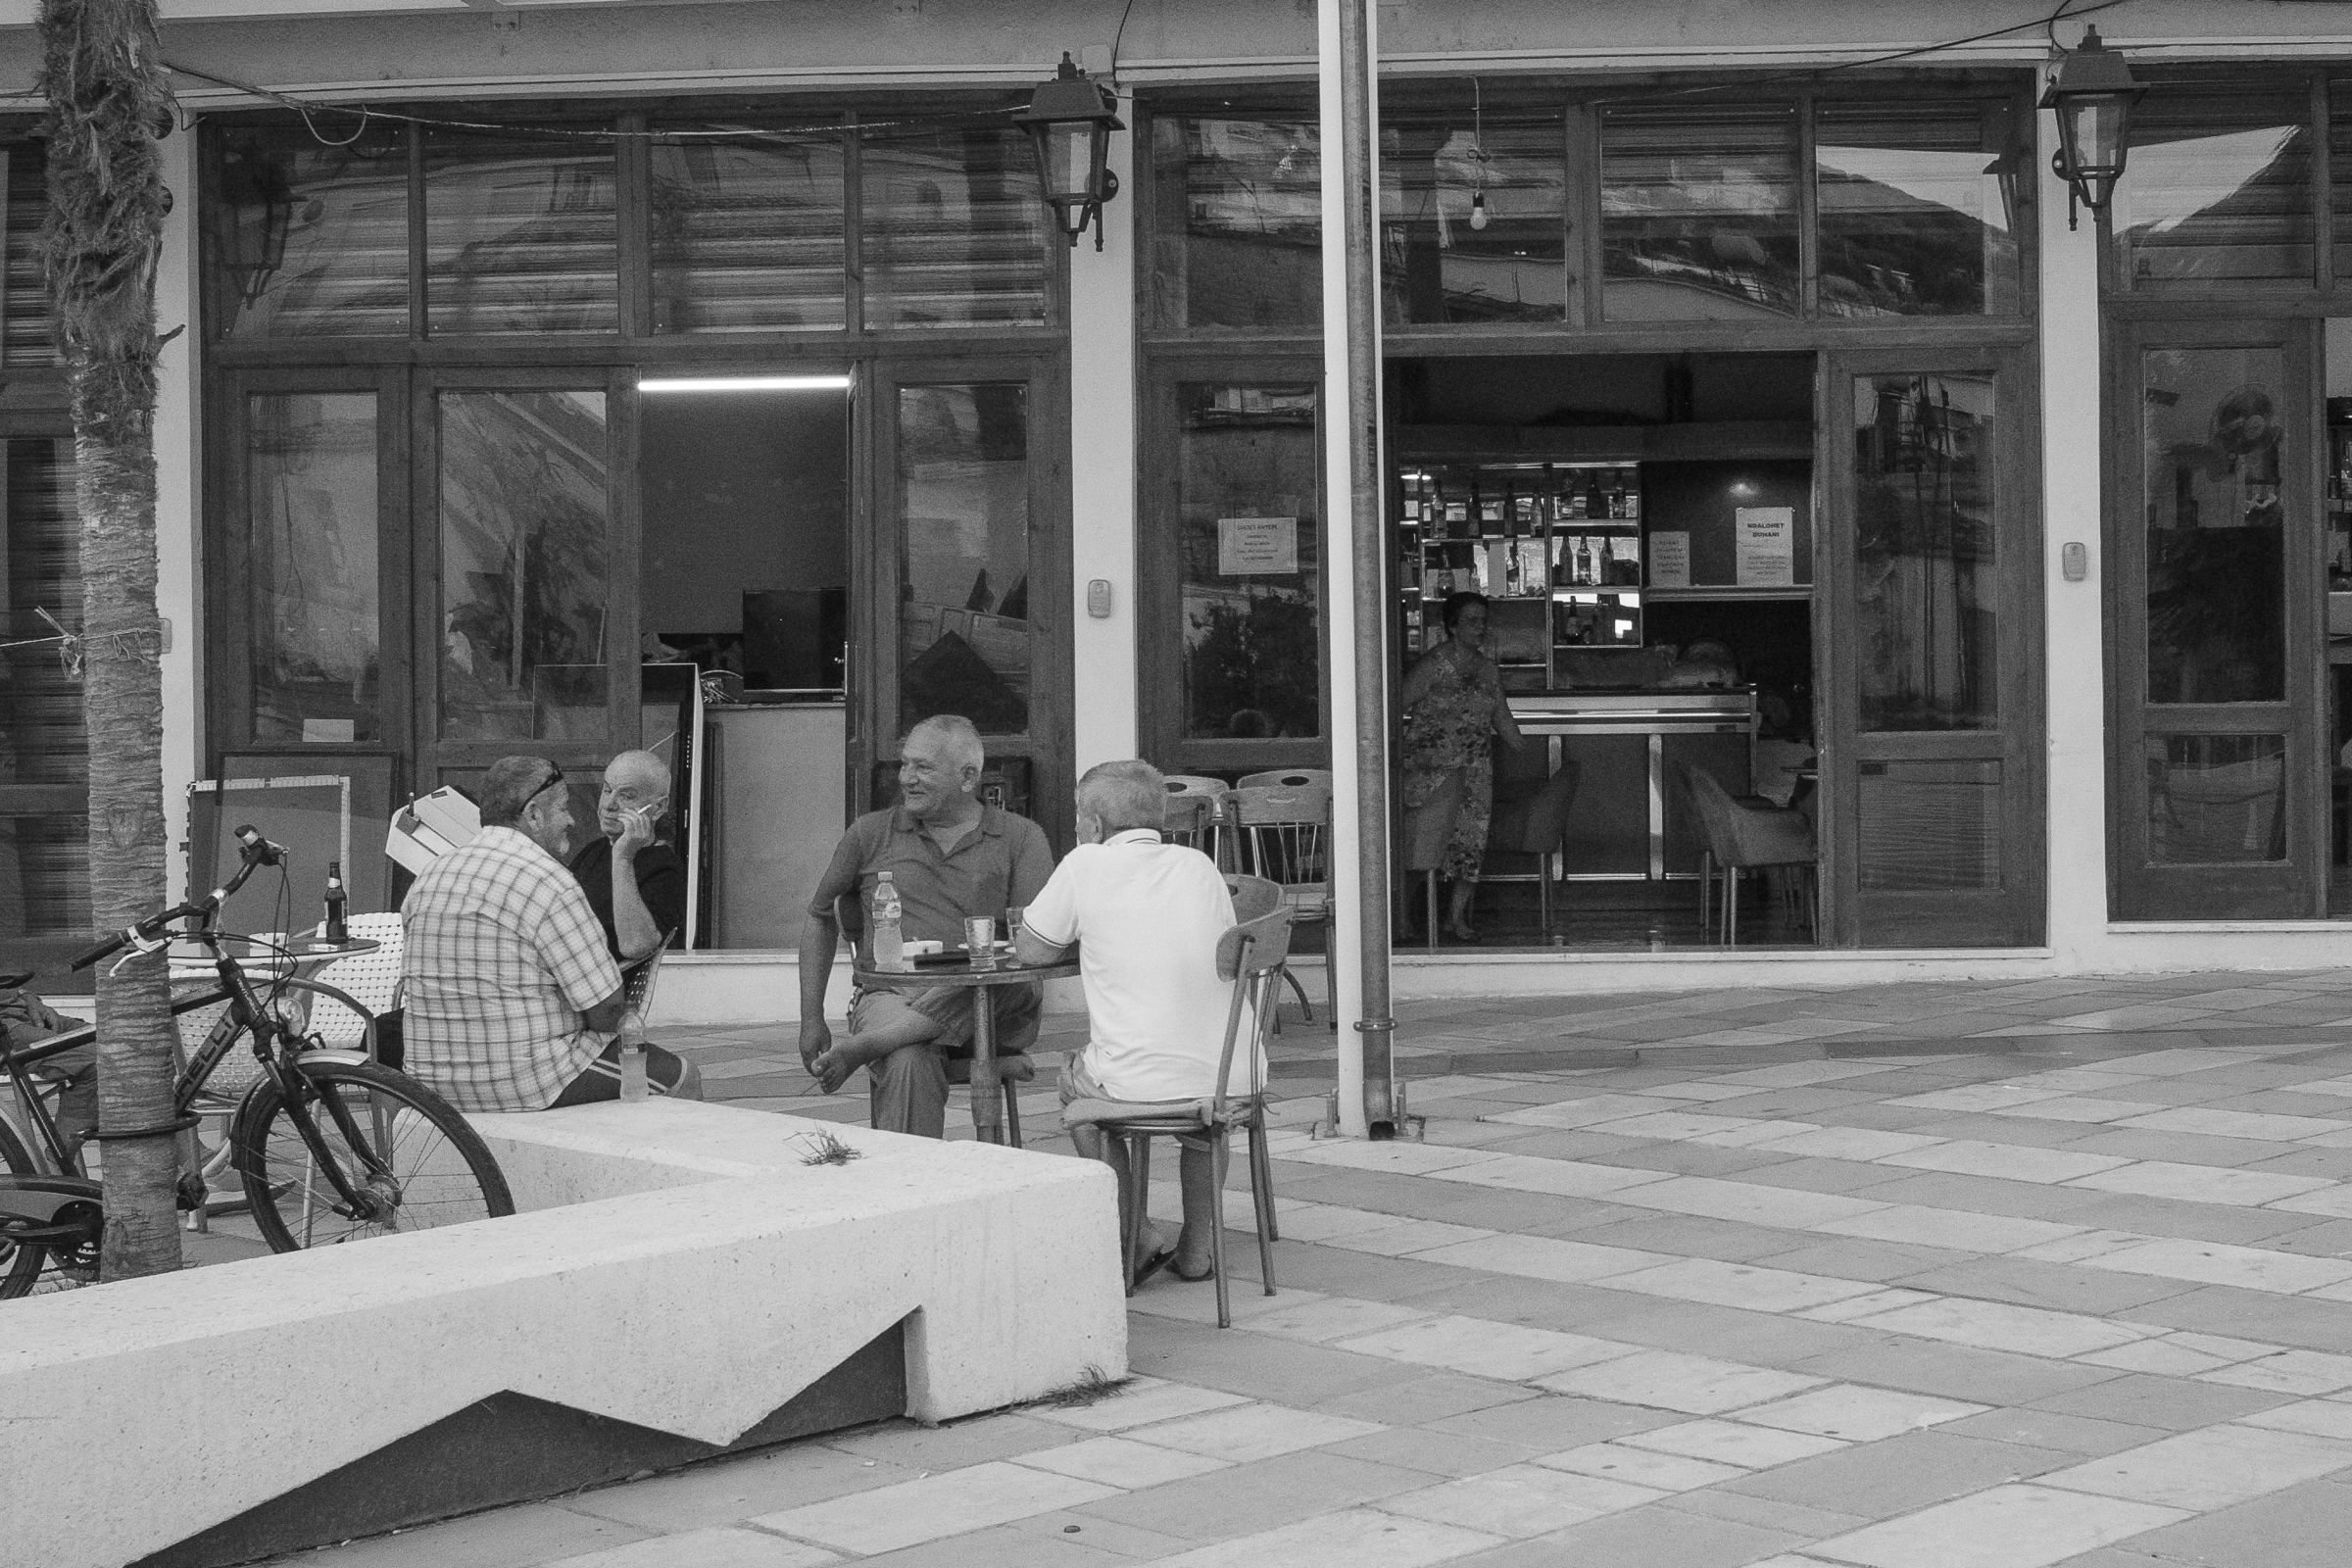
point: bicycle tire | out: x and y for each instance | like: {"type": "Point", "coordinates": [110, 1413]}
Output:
{"type": "Point", "coordinates": [432, 1168]}
{"type": "Point", "coordinates": [19, 1263]}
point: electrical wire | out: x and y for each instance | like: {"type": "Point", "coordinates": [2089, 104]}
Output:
{"type": "Point", "coordinates": [1119, 39]}
{"type": "Point", "coordinates": [668, 135]}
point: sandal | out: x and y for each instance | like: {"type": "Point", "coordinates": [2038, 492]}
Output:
{"type": "Point", "coordinates": [1163, 1258]}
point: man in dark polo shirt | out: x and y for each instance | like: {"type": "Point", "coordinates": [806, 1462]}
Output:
{"type": "Point", "coordinates": [951, 856]}
{"type": "Point", "coordinates": [635, 884]}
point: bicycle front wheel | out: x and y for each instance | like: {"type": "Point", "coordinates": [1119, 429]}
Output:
{"type": "Point", "coordinates": [404, 1152]}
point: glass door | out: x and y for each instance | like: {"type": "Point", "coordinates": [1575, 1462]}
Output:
{"type": "Point", "coordinates": [526, 614]}
{"type": "Point", "coordinates": [1929, 637]}
{"type": "Point", "coordinates": [967, 601]}
{"type": "Point", "coordinates": [2218, 798]}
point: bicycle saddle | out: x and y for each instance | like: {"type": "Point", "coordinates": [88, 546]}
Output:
{"type": "Point", "coordinates": [16, 982]}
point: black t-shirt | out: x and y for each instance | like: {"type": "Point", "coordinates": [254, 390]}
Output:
{"type": "Point", "coordinates": [660, 882]}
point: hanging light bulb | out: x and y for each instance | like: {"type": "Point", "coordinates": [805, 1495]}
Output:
{"type": "Point", "coordinates": [1477, 209]}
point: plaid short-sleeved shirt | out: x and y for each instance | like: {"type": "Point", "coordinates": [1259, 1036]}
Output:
{"type": "Point", "coordinates": [501, 954]}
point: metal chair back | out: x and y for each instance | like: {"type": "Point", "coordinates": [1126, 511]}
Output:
{"type": "Point", "coordinates": [1252, 956]}
{"type": "Point", "coordinates": [1205, 826]}
{"type": "Point", "coordinates": [637, 980]}
{"type": "Point", "coordinates": [1289, 779]}
{"type": "Point", "coordinates": [1288, 835]}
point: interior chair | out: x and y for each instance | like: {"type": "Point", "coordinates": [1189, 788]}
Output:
{"type": "Point", "coordinates": [1214, 832]}
{"type": "Point", "coordinates": [1427, 827]}
{"type": "Point", "coordinates": [1288, 833]}
{"type": "Point", "coordinates": [1531, 818]}
{"type": "Point", "coordinates": [1750, 836]}
{"type": "Point", "coordinates": [1250, 956]}
{"type": "Point", "coordinates": [1013, 1066]}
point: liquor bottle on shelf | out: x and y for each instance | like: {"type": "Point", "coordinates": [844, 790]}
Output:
{"type": "Point", "coordinates": [1509, 509]}
{"type": "Point", "coordinates": [1572, 499]}
{"type": "Point", "coordinates": [1478, 512]}
{"type": "Point", "coordinates": [1632, 495]}
{"type": "Point", "coordinates": [1597, 505]}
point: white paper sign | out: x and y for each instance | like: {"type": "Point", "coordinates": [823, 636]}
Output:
{"type": "Point", "coordinates": [1767, 546]}
{"type": "Point", "coordinates": [1256, 545]}
{"type": "Point", "coordinates": [1670, 560]}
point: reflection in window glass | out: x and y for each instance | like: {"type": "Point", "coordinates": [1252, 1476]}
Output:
{"type": "Point", "coordinates": [1929, 824]}
{"type": "Point", "coordinates": [311, 563]}
{"type": "Point", "coordinates": [964, 572]}
{"type": "Point", "coordinates": [1914, 214]}
{"type": "Point", "coordinates": [1473, 229]}
{"type": "Point", "coordinates": [1237, 240]}
{"type": "Point", "coordinates": [2216, 799]}
{"type": "Point", "coordinates": [44, 754]}
{"type": "Point", "coordinates": [1699, 213]}
{"type": "Point", "coordinates": [524, 566]}
{"type": "Point", "coordinates": [2220, 185]}
{"type": "Point", "coordinates": [1927, 593]}
{"type": "Point", "coordinates": [520, 235]}
{"type": "Point", "coordinates": [747, 238]}
{"type": "Point", "coordinates": [1247, 465]}
{"type": "Point", "coordinates": [2212, 430]}
{"type": "Point", "coordinates": [954, 230]}
{"type": "Point", "coordinates": [309, 241]}
{"type": "Point", "coordinates": [25, 289]}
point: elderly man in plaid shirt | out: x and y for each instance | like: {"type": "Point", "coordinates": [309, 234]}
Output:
{"type": "Point", "coordinates": [510, 991]}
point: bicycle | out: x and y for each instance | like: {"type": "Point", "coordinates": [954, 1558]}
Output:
{"type": "Point", "coordinates": [328, 1144]}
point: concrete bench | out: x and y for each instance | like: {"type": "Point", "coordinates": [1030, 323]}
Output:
{"type": "Point", "coordinates": [679, 1283]}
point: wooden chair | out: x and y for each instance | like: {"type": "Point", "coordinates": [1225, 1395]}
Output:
{"type": "Point", "coordinates": [1743, 836]}
{"type": "Point", "coordinates": [1013, 1066]}
{"type": "Point", "coordinates": [1533, 819]}
{"type": "Point", "coordinates": [1250, 956]}
{"type": "Point", "coordinates": [1287, 832]}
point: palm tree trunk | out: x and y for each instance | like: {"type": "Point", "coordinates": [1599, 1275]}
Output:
{"type": "Point", "coordinates": [108, 100]}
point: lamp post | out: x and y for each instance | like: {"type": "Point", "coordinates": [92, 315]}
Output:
{"type": "Point", "coordinates": [1069, 121]}
{"type": "Point", "coordinates": [2092, 94]}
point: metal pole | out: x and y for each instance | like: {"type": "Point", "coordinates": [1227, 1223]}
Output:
{"type": "Point", "coordinates": [1368, 1098]}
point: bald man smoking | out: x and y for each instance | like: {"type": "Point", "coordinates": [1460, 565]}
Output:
{"type": "Point", "coordinates": [635, 883]}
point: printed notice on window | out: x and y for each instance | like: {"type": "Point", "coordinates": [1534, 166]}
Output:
{"type": "Point", "coordinates": [1256, 547]}
{"type": "Point", "coordinates": [1767, 546]}
{"type": "Point", "coordinates": [1670, 560]}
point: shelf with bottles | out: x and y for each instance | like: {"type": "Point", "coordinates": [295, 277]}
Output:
{"type": "Point", "coordinates": [1513, 531]}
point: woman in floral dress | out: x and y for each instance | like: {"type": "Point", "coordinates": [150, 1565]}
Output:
{"type": "Point", "coordinates": [1453, 709]}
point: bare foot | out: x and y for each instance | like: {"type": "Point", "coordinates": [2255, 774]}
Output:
{"type": "Point", "coordinates": [830, 1071]}
{"type": "Point", "coordinates": [1460, 931]}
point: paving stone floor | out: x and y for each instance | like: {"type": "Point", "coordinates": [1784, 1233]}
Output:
{"type": "Point", "coordinates": [1950, 1276]}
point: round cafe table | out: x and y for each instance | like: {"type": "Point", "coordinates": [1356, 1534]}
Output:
{"type": "Point", "coordinates": [988, 1104]}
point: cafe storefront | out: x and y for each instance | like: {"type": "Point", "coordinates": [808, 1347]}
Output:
{"type": "Point", "coordinates": [589, 394]}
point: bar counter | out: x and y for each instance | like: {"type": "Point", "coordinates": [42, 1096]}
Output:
{"type": "Point", "coordinates": [1630, 819]}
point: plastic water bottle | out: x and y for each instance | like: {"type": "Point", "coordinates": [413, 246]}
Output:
{"type": "Point", "coordinates": [632, 1041]}
{"type": "Point", "coordinates": [888, 941]}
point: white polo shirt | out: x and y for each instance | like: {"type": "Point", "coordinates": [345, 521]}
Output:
{"type": "Point", "coordinates": [1147, 917]}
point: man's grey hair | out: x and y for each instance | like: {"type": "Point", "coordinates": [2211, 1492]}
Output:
{"type": "Point", "coordinates": [642, 767]}
{"type": "Point", "coordinates": [961, 735]}
{"type": "Point", "coordinates": [510, 784]}
{"type": "Point", "coordinates": [1124, 795]}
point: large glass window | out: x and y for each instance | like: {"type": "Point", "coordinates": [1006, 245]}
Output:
{"type": "Point", "coordinates": [2220, 185]}
{"type": "Point", "coordinates": [955, 231]}
{"type": "Point", "coordinates": [1247, 465]}
{"type": "Point", "coordinates": [311, 566]}
{"type": "Point", "coordinates": [747, 237]}
{"type": "Point", "coordinates": [1929, 824]}
{"type": "Point", "coordinates": [1916, 208]}
{"type": "Point", "coordinates": [964, 515]}
{"type": "Point", "coordinates": [1699, 212]}
{"type": "Point", "coordinates": [308, 241]}
{"type": "Point", "coordinates": [2212, 427]}
{"type": "Point", "coordinates": [1928, 597]}
{"type": "Point", "coordinates": [1473, 221]}
{"type": "Point", "coordinates": [44, 754]}
{"type": "Point", "coordinates": [523, 566]}
{"type": "Point", "coordinates": [1236, 230]}
{"type": "Point", "coordinates": [520, 235]}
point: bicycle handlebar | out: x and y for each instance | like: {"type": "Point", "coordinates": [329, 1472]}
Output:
{"type": "Point", "coordinates": [255, 853]}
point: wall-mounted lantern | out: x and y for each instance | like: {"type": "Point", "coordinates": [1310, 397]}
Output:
{"type": "Point", "coordinates": [1070, 119]}
{"type": "Point", "coordinates": [2092, 94]}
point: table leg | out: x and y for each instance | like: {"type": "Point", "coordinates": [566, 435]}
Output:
{"type": "Point", "coordinates": [988, 1103]}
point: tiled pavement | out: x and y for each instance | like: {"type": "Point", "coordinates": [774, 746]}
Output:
{"type": "Point", "coordinates": [1908, 1277]}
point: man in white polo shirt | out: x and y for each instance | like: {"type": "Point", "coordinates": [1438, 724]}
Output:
{"type": "Point", "coordinates": [1147, 917]}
